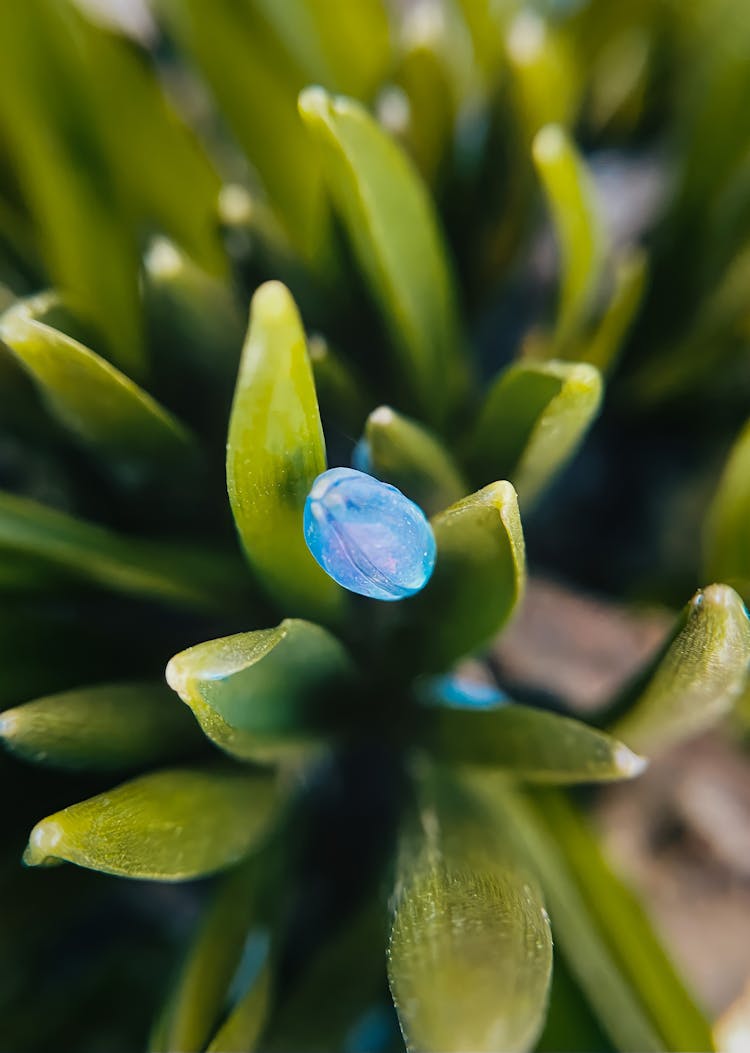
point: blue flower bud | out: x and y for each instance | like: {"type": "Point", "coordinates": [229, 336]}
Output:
{"type": "Point", "coordinates": [368, 536]}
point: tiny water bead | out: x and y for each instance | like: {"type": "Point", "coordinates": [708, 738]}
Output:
{"type": "Point", "coordinates": [367, 536]}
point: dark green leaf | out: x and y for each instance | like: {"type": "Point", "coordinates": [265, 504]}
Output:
{"type": "Point", "coordinates": [169, 573]}
{"type": "Point", "coordinates": [727, 543]}
{"type": "Point", "coordinates": [393, 230]}
{"type": "Point", "coordinates": [698, 679]}
{"type": "Point", "coordinates": [92, 399]}
{"type": "Point", "coordinates": [170, 826]}
{"type": "Point", "coordinates": [263, 695]}
{"type": "Point", "coordinates": [478, 580]}
{"type": "Point", "coordinates": [109, 727]}
{"type": "Point", "coordinates": [533, 419]}
{"type": "Point", "coordinates": [402, 452]}
{"type": "Point", "coordinates": [531, 744]}
{"type": "Point", "coordinates": [275, 450]}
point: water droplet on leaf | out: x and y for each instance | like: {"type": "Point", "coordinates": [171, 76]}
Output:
{"type": "Point", "coordinates": [367, 536]}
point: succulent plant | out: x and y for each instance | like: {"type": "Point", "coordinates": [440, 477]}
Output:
{"type": "Point", "coordinates": [268, 690]}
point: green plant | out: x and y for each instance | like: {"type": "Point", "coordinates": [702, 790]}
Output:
{"type": "Point", "coordinates": [360, 807]}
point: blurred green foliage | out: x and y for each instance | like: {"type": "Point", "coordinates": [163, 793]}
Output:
{"type": "Point", "coordinates": [507, 246]}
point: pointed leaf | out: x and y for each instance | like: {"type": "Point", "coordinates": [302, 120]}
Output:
{"type": "Point", "coordinates": [200, 995]}
{"type": "Point", "coordinates": [546, 78]}
{"type": "Point", "coordinates": [342, 394]}
{"type": "Point", "coordinates": [727, 542]}
{"type": "Point", "coordinates": [571, 199]}
{"type": "Point", "coordinates": [533, 419]}
{"type": "Point", "coordinates": [169, 826]}
{"type": "Point", "coordinates": [109, 727]}
{"type": "Point", "coordinates": [402, 452]}
{"type": "Point", "coordinates": [275, 451]}
{"type": "Point", "coordinates": [603, 931]}
{"type": "Point", "coordinates": [93, 400]}
{"type": "Point", "coordinates": [479, 578]}
{"type": "Point", "coordinates": [255, 80]}
{"type": "Point", "coordinates": [159, 571]}
{"type": "Point", "coordinates": [698, 679]}
{"type": "Point", "coordinates": [601, 349]}
{"type": "Point", "coordinates": [243, 1027]}
{"type": "Point", "coordinates": [470, 950]}
{"type": "Point", "coordinates": [264, 694]}
{"type": "Point", "coordinates": [534, 745]}
{"type": "Point", "coordinates": [391, 224]}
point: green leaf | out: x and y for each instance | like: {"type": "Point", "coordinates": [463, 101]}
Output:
{"type": "Point", "coordinates": [342, 395]}
{"type": "Point", "coordinates": [470, 950]}
{"type": "Point", "coordinates": [602, 347]}
{"type": "Point", "coordinates": [606, 938]}
{"type": "Point", "coordinates": [391, 224]}
{"type": "Point", "coordinates": [109, 727]}
{"type": "Point", "coordinates": [243, 1027]}
{"type": "Point", "coordinates": [275, 451]}
{"type": "Point", "coordinates": [534, 417]}
{"type": "Point", "coordinates": [170, 573]}
{"type": "Point", "coordinates": [423, 74]}
{"type": "Point", "coordinates": [404, 453]}
{"type": "Point", "coordinates": [533, 745]}
{"type": "Point", "coordinates": [93, 400]}
{"type": "Point", "coordinates": [478, 580]}
{"type": "Point", "coordinates": [699, 677]}
{"type": "Point", "coordinates": [74, 198]}
{"type": "Point", "coordinates": [200, 998]}
{"type": "Point", "coordinates": [546, 78]}
{"type": "Point", "coordinates": [265, 694]}
{"type": "Point", "coordinates": [571, 199]}
{"type": "Point", "coordinates": [169, 826]}
{"type": "Point", "coordinates": [255, 81]}
{"type": "Point", "coordinates": [726, 542]}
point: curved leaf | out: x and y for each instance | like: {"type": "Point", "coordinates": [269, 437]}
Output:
{"type": "Point", "coordinates": [389, 218]}
{"type": "Point", "coordinates": [90, 398]}
{"type": "Point", "coordinates": [533, 745]}
{"type": "Point", "coordinates": [533, 419]}
{"type": "Point", "coordinates": [201, 994]}
{"type": "Point", "coordinates": [401, 452]}
{"type": "Point", "coordinates": [172, 574]}
{"type": "Point", "coordinates": [109, 727]}
{"type": "Point", "coordinates": [698, 679]}
{"type": "Point", "coordinates": [604, 933]}
{"type": "Point", "coordinates": [571, 199]}
{"type": "Point", "coordinates": [602, 347]}
{"type": "Point", "coordinates": [546, 78]}
{"type": "Point", "coordinates": [727, 543]}
{"type": "Point", "coordinates": [478, 580]}
{"type": "Point", "coordinates": [275, 451]}
{"type": "Point", "coordinates": [261, 695]}
{"type": "Point", "coordinates": [169, 826]}
{"type": "Point", "coordinates": [470, 950]}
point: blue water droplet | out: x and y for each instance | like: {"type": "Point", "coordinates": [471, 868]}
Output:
{"type": "Point", "coordinates": [368, 536]}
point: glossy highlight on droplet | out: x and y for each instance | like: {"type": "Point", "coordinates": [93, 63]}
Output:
{"type": "Point", "coordinates": [367, 536]}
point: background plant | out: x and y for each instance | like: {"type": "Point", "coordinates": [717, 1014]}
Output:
{"type": "Point", "coordinates": [459, 223]}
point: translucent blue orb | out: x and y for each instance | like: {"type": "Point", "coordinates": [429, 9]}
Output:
{"type": "Point", "coordinates": [368, 536]}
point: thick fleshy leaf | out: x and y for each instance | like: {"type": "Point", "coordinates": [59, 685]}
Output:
{"type": "Point", "coordinates": [393, 230]}
{"type": "Point", "coordinates": [470, 950]}
{"type": "Point", "coordinates": [402, 452]}
{"type": "Point", "coordinates": [479, 578]}
{"type": "Point", "coordinates": [698, 678]}
{"type": "Point", "coordinates": [255, 80]}
{"type": "Point", "coordinates": [727, 539]}
{"type": "Point", "coordinates": [423, 75]}
{"type": "Point", "coordinates": [89, 553]}
{"type": "Point", "coordinates": [265, 694]}
{"type": "Point", "coordinates": [94, 401]}
{"type": "Point", "coordinates": [533, 745]}
{"type": "Point", "coordinates": [201, 997]}
{"type": "Point", "coordinates": [571, 199]}
{"type": "Point", "coordinates": [533, 419]}
{"type": "Point", "coordinates": [275, 451]}
{"type": "Point", "coordinates": [170, 826]}
{"type": "Point", "coordinates": [108, 727]}
{"type": "Point", "coordinates": [603, 932]}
